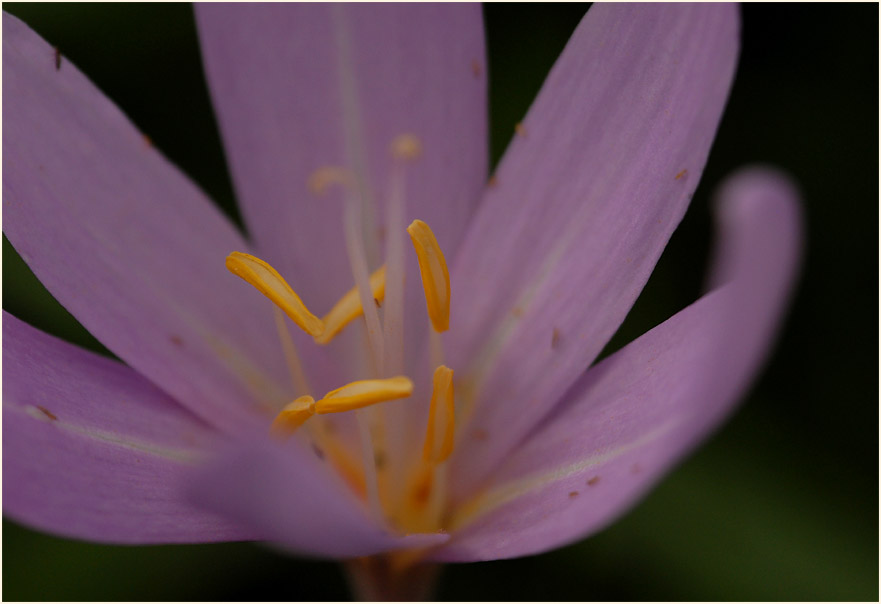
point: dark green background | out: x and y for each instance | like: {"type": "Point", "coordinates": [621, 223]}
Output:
{"type": "Point", "coordinates": [781, 504]}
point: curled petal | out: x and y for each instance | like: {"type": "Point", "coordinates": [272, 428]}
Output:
{"type": "Point", "coordinates": [632, 416]}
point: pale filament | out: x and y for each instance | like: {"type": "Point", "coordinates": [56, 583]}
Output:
{"type": "Point", "coordinates": [358, 261]}
{"type": "Point", "coordinates": [404, 149]}
{"type": "Point", "coordinates": [353, 128]}
{"type": "Point", "coordinates": [353, 228]}
{"type": "Point", "coordinates": [298, 376]}
{"type": "Point", "coordinates": [436, 352]}
{"type": "Point", "coordinates": [353, 225]}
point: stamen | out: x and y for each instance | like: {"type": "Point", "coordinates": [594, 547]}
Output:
{"type": "Point", "coordinates": [349, 307]}
{"type": "Point", "coordinates": [269, 283]}
{"type": "Point", "coordinates": [428, 487]}
{"type": "Point", "coordinates": [435, 277]}
{"type": "Point", "coordinates": [364, 393]}
{"type": "Point", "coordinates": [441, 418]}
{"type": "Point", "coordinates": [293, 416]}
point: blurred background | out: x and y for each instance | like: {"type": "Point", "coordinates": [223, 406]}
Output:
{"type": "Point", "coordinates": [780, 504]}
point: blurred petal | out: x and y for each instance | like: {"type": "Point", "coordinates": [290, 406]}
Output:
{"type": "Point", "coordinates": [627, 420]}
{"type": "Point", "coordinates": [586, 199]}
{"type": "Point", "coordinates": [287, 493]}
{"type": "Point", "coordinates": [300, 86]}
{"type": "Point", "coordinates": [93, 450]}
{"type": "Point", "coordinates": [130, 246]}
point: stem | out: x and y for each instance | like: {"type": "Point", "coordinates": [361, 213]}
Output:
{"type": "Point", "coordinates": [377, 578]}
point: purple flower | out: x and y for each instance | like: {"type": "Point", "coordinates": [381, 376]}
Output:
{"type": "Point", "coordinates": [342, 124]}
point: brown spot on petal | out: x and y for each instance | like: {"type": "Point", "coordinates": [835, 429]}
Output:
{"type": "Point", "coordinates": [476, 69]}
{"type": "Point", "coordinates": [379, 459]}
{"type": "Point", "coordinates": [635, 468]}
{"type": "Point", "coordinates": [147, 141]}
{"type": "Point", "coordinates": [480, 434]}
{"type": "Point", "coordinates": [265, 408]}
{"type": "Point", "coordinates": [47, 413]}
{"type": "Point", "coordinates": [573, 494]}
{"type": "Point", "coordinates": [493, 181]}
{"type": "Point", "coordinates": [176, 340]}
{"type": "Point", "coordinates": [681, 174]}
{"type": "Point", "coordinates": [318, 452]}
{"type": "Point", "coordinates": [377, 302]}
{"type": "Point", "coordinates": [517, 311]}
{"type": "Point", "coordinates": [555, 339]}
{"type": "Point", "coordinates": [593, 481]}
{"type": "Point", "coordinates": [520, 129]}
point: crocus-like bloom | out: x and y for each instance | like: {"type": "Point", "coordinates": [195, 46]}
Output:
{"type": "Point", "coordinates": [344, 124]}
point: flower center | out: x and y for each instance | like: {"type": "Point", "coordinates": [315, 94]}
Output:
{"type": "Point", "coordinates": [398, 485]}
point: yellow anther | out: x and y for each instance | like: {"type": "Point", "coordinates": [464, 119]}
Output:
{"type": "Point", "coordinates": [435, 278]}
{"type": "Point", "coordinates": [441, 418]}
{"type": "Point", "coordinates": [269, 283]}
{"type": "Point", "coordinates": [325, 177]}
{"type": "Point", "coordinates": [293, 416]}
{"type": "Point", "coordinates": [406, 146]}
{"type": "Point", "coordinates": [364, 393]}
{"type": "Point", "coordinates": [349, 307]}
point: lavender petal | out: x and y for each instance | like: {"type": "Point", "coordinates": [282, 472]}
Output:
{"type": "Point", "coordinates": [128, 244]}
{"type": "Point", "coordinates": [300, 86]}
{"type": "Point", "coordinates": [586, 198]}
{"type": "Point", "coordinates": [635, 414]}
{"type": "Point", "coordinates": [92, 450]}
